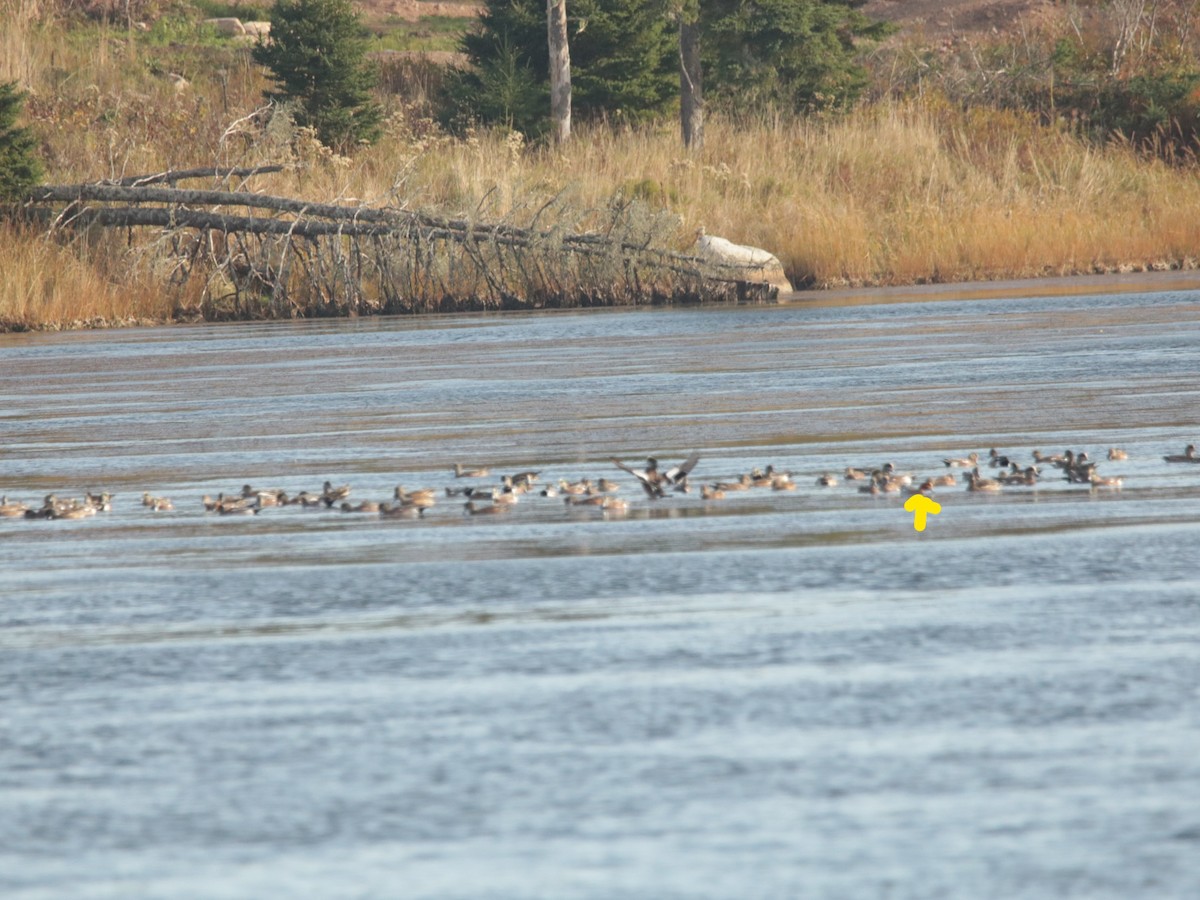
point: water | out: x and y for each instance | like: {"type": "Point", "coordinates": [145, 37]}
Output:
{"type": "Point", "coordinates": [777, 695]}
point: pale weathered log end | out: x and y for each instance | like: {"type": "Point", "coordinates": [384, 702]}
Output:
{"type": "Point", "coordinates": [755, 265]}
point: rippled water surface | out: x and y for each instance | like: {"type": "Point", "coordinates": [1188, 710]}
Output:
{"type": "Point", "coordinates": [780, 694]}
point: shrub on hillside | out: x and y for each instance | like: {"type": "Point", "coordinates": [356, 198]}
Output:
{"type": "Point", "coordinates": [19, 166]}
{"type": "Point", "coordinates": [317, 58]}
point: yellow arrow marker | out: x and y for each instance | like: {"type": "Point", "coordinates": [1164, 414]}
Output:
{"type": "Point", "coordinates": [920, 505]}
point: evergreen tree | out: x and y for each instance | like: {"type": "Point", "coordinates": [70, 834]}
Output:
{"type": "Point", "coordinates": [794, 54]}
{"type": "Point", "coordinates": [623, 62]}
{"type": "Point", "coordinates": [317, 57]}
{"type": "Point", "coordinates": [19, 166]}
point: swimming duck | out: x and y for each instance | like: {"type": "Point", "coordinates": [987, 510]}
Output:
{"type": "Point", "coordinates": [420, 497]}
{"type": "Point", "coordinates": [972, 459]}
{"type": "Point", "coordinates": [574, 488]}
{"type": "Point", "coordinates": [1080, 473]}
{"type": "Point", "coordinates": [762, 477]}
{"type": "Point", "coordinates": [996, 461]}
{"type": "Point", "coordinates": [1188, 456]}
{"type": "Point", "coordinates": [711, 492]}
{"type": "Point", "coordinates": [1115, 453]}
{"type": "Point", "coordinates": [237, 507]}
{"type": "Point", "coordinates": [1112, 482]}
{"type": "Point", "coordinates": [783, 482]}
{"type": "Point", "coordinates": [1039, 457]}
{"type": "Point", "coordinates": [471, 508]}
{"type": "Point", "coordinates": [744, 483]}
{"type": "Point", "coordinates": [367, 506]}
{"type": "Point", "coordinates": [1021, 477]}
{"type": "Point", "coordinates": [522, 479]}
{"type": "Point", "coordinates": [976, 482]}
{"type": "Point", "coordinates": [947, 480]}
{"type": "Point", "coordinates": [585, 500]}
{"type": "Point", "coordinates": [400, 511]}
{"type": "Point", "coordinates": [828, 480]}
{"type": "Point", "coordinates": [853, 474]}
{"type": "Point", "coordinates": [925, 488]}
{"type": "Point", "coordinates": [461, 472]}
{"type": "Point", "coordinates": [331, 494]}
{"type": "Point", "coordinates": [160, 504]}
{"type": "Point", "coordinates": [11, 510]}
{"type": "Point", "coordinates": [101, 502]}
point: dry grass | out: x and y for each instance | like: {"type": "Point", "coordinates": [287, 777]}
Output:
{"type": "Point", "coordinates": [48, 284]}
{"type": "Point", "coordinates": [897, 192]}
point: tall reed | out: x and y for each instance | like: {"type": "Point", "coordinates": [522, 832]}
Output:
{"type": "Point", "coordinates": [895, 192]}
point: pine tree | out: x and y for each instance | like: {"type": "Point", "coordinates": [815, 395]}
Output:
{"type": "Point", "coordinates": [317, 57]}
{"type": "Point", "coordinates": [790, 54]}
{"type": "Point", "coordinates": [623, 62]}
{"type": "Point", "coordinates": [19, 166]}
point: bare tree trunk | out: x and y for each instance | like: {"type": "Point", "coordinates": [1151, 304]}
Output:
{"type": "Point", "coordinates": [560, 68]}
{"type": "Point", "coordinates": [691, 87]}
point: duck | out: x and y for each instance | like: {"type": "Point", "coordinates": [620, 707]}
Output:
{"type": "Point", "coordinates": [240, 507]}
{"type": "Point", "coordinates": [471, 508]}
{"type": "Point", "coordinates": [655, 481]}
{"type": "Point", "coordinates": [996, 461]}
{"type": "Point", "coordinates": [400, 511]}
{"type": "Point", "coordinates": [783, 482]}
{"type": "Point", "coordinates": [331, 494]}
{"type": "Point", "coordinates": [102, 502]}
{"type": "Point", "coordinates": [1111, 482]}
{"type": "Point", "coordinates": [828, 480]}
{"type": "Point", "coordinates": [1039, 457]}
{"type": "Point", "coordinates": [522, 479]}
{"type": "Point", "coordinates": [615, 505]}
{"type": "Point", "coordinates": [367, 506]}
{"type": "Point", "coordinates": [1021, 477]}
{"type": "Point", "coordinates": [976, 482]}
{"type": "Point", "coordinates": [871, 487]}
{"type": "Point", "coordinates": [1117, 454]}
{"type": "Point", "coordinates": [1188, 456]}
{"type": "Point", "coordinates": [971, 459]}
{"type": "Point", "coordinates": [1080, 473]}
{"type": "Point", "coordinates": [744, 483]}
{"type": "Point", "coordinates": [585, 500]}
{"type": "Point", "coordinates": [711, 492]}
{"type": "Point", "coordinates": [925, 488]}
{"type": "Point", "coordinates": [762, 477]}
{"type": "Point", "coordinates": [514, 485]}
{"type": "Point", "coordinates": [604, 486]}
{"type": "Point", "coordinates": [853, 474]}
{"type": "Point", "coordinates": [420, 497]}
{"type": "Point", "coordinates": [461, 471]}
{"type": "Point", "coordinates": [11, 510]}
{"type": "Point", "coordinates": [947, 480]}
{"type": "Point", "coordinates": [161, 504]}
{"type": "Point", "coordinates": [889, 471]}
{"type": "Point", "coordinates": [575, 488]}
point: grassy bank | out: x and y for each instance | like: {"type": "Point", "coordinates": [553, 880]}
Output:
{"type": "Point", "coordinates": [896, 192]}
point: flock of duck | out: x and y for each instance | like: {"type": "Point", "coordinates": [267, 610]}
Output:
{"type": "Point", "coordinates": [655, 482]}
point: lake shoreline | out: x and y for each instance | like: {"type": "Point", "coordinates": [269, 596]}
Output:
{"type": "Point", "coordinates": [1148, 281]}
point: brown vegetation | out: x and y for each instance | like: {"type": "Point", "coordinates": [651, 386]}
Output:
{"type": "Point", "coordinates": [899, 191]}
